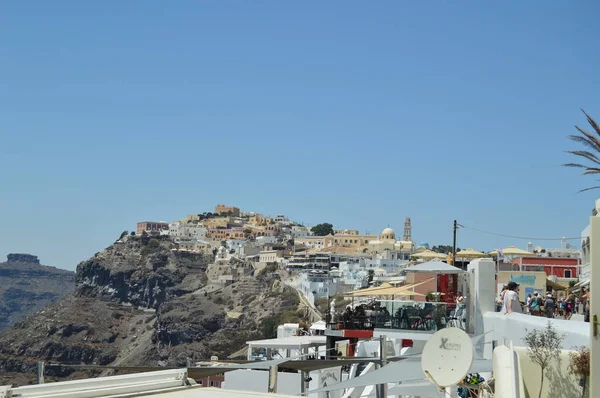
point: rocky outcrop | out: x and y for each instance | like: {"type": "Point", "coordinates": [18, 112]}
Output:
{"type": "Point", "coordinates": [26, 286]}
{"type": "Point", "coordinates": [143, 271]}
{"type": "Point", "coordinates": [23, 258]}
{"type": "Point", "coordinates": [140, 302]}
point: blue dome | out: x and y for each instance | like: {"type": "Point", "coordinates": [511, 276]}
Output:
{"type": "Point", "coordinates": [424, 244]}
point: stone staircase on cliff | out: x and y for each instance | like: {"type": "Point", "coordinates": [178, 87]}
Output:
{"type": "Point", "coordinates": [249, 286]}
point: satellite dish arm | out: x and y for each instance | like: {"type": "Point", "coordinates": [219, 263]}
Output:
{"type": "Point", "coordinates": [432, 380]}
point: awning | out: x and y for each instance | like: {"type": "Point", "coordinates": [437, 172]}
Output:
{"type": "Point", "coordinates": [390, 291]}
{"type": "Point", "coordinates": [580, 284]}
{"type": "Point", "coordinates": [555, 286]}
{"type": "Point", "coordinates": [384, 285]}
{"type": "Point", "coordinates": [243, 353]}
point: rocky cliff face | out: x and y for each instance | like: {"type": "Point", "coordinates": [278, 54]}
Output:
{"type": "Point", "coordinates": [141, 303]}
{"type": "Point", "coordinates": [26, 286]}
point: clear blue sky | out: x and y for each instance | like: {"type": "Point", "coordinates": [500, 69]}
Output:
{"type": "Point", "coordinates": [353, 113]}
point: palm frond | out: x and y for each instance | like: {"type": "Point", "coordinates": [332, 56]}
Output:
{"type": "Point", "coordinates": [575, 165]}
{"type": "Point", "coordinates": [586, 154]}
{"type": "Point", "coordinates": [588, 189]}
{"type": "Point", "coordinates": [592, 122]}
{"type": "Point", "coordinates": [587, 140]}
{"type": "Point", "coordinates": [591, 170]}
{"type": "Point", "coordinates": [590, 141]}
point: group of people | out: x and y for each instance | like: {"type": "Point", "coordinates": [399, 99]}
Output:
{"type": "Point", "coordinates": [548, 306]}
{"type": "Point", "coordinates": [363, 314]}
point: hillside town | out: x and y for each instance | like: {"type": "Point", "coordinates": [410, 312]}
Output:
{"type": "Point", "coordinates": [324, 262]}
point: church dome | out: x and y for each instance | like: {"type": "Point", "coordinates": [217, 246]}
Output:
{"type": "Point", "coordinates": [388, 231]}
{"type": "Point", "coordinates": [388, 235]}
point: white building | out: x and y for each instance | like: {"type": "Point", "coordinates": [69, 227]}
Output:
{"type": "Point", "coordinates": [187, 230]}
{"type": "Point", "coordinates": [311, 242]}
{"type": "Point", "coordinates": [263, 240]}
{"type": "Point", "coordinates": [584, 274]}
{"type": "Point", "coordinates": [268, 256]}
{"type": "Point", "coordinates": [300, 231]}
{"type": "Point", "coordinates": [235, 244]}
{"type": "Point", "coordinates": [192, 244]}
{"type": "Point", "coordinates": [280, 218]}
{"type": "Point", "coordinates": [317, 284]}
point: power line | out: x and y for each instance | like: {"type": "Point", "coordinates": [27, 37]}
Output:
{"type": "Point", "coordinates": [514, 236]}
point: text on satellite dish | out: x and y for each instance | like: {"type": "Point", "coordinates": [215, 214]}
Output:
{"type": "Point", "coordinates": [449, 346]}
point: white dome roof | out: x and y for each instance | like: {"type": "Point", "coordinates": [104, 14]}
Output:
{"type": "Point", "coordinates": [388, 231]}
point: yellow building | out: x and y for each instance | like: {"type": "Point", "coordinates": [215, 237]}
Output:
{"type": "Point", "coordinates": [345, 232]}
{"type": "Point", "coordinates": [530, 282]}
{"type": "Point", "coordinates": [256, 219]}
{"type": "Point", "coordinates": [348, 241]}
{"type": "Point", "coordinates": [231, 210]}
{"type": "Point", "coordinates": [261, 231]}
{"type": "Point", "coordinates": [215, 222]}
{"type": "Point", "coordinates": [311, 242]}
{"type": "Point", "coordinates": [191, 218]}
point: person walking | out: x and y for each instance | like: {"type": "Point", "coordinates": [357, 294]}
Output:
{"type": "Point", "coordinates": [549, 305]}
{"type": "Point", "coordinates": [570, 304]}
{"type": "Point", "coordinates": [528, 303]}
{"type": "Point", "coordinates": [583, 299]}
{"type": "Point", "coordinates": [534, 306]}
{"type": "Point", "coordinates": [511, 299]}
{"type": "Point", "coordinates": [586, 307]}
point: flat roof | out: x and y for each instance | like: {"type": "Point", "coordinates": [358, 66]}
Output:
{"type": "Point", "coordinates": [292, 342]}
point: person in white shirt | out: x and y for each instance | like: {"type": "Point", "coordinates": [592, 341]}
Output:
{"type": "Point", "coordinates": [527, 303]}
{"type": "Point", "coordinates": [502, 293]}
{"type": "Point", "coordinates": [511, 299]}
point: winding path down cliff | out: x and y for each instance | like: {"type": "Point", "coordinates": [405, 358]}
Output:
{"type": "Point", "coordinates": [314, 314]}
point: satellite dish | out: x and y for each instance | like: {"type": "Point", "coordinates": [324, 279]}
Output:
{"type": "Point", "coordinates": [447, 357]}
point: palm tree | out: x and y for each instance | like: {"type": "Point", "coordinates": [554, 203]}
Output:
{"type": "Point", "coordinates": [591, 141]}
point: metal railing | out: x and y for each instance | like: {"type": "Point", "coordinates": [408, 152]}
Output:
{"type": "Point", "coordinates": [406, 316]}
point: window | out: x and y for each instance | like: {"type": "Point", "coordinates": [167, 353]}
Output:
{"type": "Point", "coordinates": [568, 273]}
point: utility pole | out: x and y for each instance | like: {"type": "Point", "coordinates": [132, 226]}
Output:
{"type": "Point", "coordinates": [454, 244]}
